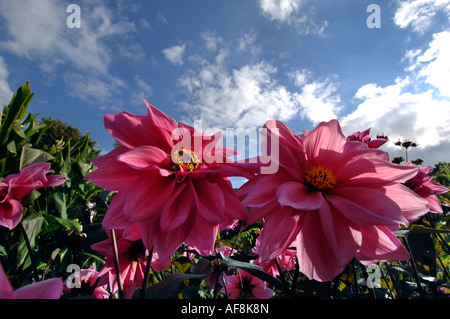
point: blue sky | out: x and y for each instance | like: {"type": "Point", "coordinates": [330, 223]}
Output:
{"type": "Point", "coordinates": [236, 64]}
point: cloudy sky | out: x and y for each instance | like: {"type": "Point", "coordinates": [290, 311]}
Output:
{"type": "Point", "coordinates": [236, 64]}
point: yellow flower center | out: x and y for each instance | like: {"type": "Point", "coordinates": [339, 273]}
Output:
{"type": "Point", "coordinates": [184, 161]}
{"type": "Point", "coordinates": [319, 179]}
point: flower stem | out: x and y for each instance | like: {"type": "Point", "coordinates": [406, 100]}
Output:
{"type": "Point", "coordinates": [116, 264]}
{"type": "Point", "coordinates": [30, 251]}
{"type": "Point", "coordinates": [147, 272]}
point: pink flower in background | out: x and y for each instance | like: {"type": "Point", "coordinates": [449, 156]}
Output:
{"type": "Point", "coordinates": [133, 258]}
{"type": "Point", "coordinates": [245, 286]}
{"type": "Point", "coordinates": [14, 187]}
{"type": "Point", "coordinates": [364, 137]}
{"type": "Point", "coordinates": [335, 199]}
{"type": "Point", "coordinates": [87, 279]}
{"type": "Point", "coordinates": [47, 289]}
{"type": "Point", "coordinates": [423, 186]}
{"type": "Point", "coordinates": [171, 180]}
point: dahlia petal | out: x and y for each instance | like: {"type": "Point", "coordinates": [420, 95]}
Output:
{"type": "Point", "coordinates": [144, 156]}
{"type": "Point", "coordinates": [210, 201]}
{"type": "Point", "coordinates": [11, 213]}
{"type": "Point", "coordinates": [260, 212]}
{"type": "Point", "coordinates": [379, 244]}
{"type": "Point", "coordinates": [280, 229]}
{"type": "Point", "coordinates": [412, 205]}
{"type": "Point", "coordinates": [115, 215]}
{"type": "Point", "coordinates": [110, 156]}
{"type": "Point", "coordinates": [326, 136]}
{"type": "Point", "coordinates": [317, 259]}
{"type": "Point", "coordinates": [263, 188]}
{"type": "Point", "coordinates": [166, 243]}
{"type": "Point", "coordinates": [6, 291]}
{"type": "Point", "coordinates": [203, 236]}
{"type": "Point", "coordinates": [159, 118]}
{"type": "Point", "coordinates": [147, 196]}
{"type": "Point", "coordinates": [366, 206]}
{"type": "Point", "coordinates": [178, 207]}
{"type": "Point", "coordinates": [233, 206]}
{"type": "Point", "coordinates": [113, 176]}
{"type": "Point", "coordinates": [298, 196]}
{"type": "Point", "coordinates": [47, 289]}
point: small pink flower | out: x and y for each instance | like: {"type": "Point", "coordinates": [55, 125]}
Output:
{"type": "Point", "coordinates": [47, 289]}
{"type": "Point", "coordinates": [14, 187]}
{"type": "Point", "coordinates": [132, 261]}
{"type": "Point", "coordinates": [171, 180]}
{"type": "Point", "coordinates": [244, 286]}
{"type": "Point", "coordinates": [87, 279]}
{"type": "Point", "coordinates": [336, 199]}
{"type": "Point", "coordinates": [423, 186]}
{"type": "Point", "coordinates": [364, 137]}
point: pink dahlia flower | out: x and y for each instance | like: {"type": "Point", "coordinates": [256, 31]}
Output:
{"type": "Point", "coordinates": [171, 180]}
{"type": "Point", "coordinates": [245, 286]}
{"type": "Point", "coordinates": [88, 280]}
{"type": "Point", "coordinates": [423, 185]}
{"type": "Point", "coordinates": [364, 137]}
{"type": "Point", "coordinates": [47, 289]}
{"type": "Point", "coordinates": [14, 187]}
{"type": "Point", "coordinates": [336, 199]}
{"type": "Point", "coordinates": [133, 258]}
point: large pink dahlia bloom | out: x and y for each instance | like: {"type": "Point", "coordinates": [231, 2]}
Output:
{"type": "Point", "coordinates": [336, 199]}
{"type": "Point", "coordinates": [171, 180]}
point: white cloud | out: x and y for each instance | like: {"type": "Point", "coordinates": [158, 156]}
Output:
{"type": "Point", "coordinates": [85, 53]}
{"type": "Point", "coordinates": [403, 110]}
{"type": "Point", "coordinates": [175, 54]}
{"type": "Point", "coordinates": [419, 14]}
{"type": "Point", "coordinates": [5, 91]}
{"type": "Point", "coordinates": [246, 43]}
{"type": "Point", "coordinates": [434, 63]}
{"type": "Point", "coordinates": [290, 12]}
{"type": "Point", "coordinates": [211, 40]}
{"type": "Point", "coordinates": [281, 10]}
{"type": "Point", "coordinates": [241, 98]}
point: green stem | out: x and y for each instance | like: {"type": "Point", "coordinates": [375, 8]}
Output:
{"type": "Point", "coordinates": [30, 251]}
{"type": "Point", "coordinates": [116, 264]}
{"type": "Point", "coordinates": [147, 272]}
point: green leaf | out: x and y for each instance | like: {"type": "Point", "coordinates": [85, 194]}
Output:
{"type": "Point", "coordinates": [170, 287]}
{"type": "Point", "coordinates": [419, 229]}
{"type": "Point", "coordinates": [11, 147]}
{"type": "Point", "coordinates": [17, 127]}
{"type": "Point", "coordinates": [33, 225]}
{"type": "Point", "coordinates": [60, 204]}
{"type": "Point", "coordinates": [31, 155]}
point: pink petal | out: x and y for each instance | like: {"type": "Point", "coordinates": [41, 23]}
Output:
{"type": "Point", "coordinates": [178, 207]}
{"type": "Point", "coordinates": [298, 196]}
{"type": "Point", "coordinates": [145, 156]}
{"type": "Point", "coordinates": [113, 176]}
{"type": "Point", "coordinates": [366, 206]}
{"type": "Point", "coordinates": [379, 244]}
{"type": "Point", "coordinates": [47, 289]}
{"type": "Point", "coordinates": [147, 196]}
{"type": "Point", "coordinates": [159, 118]}
{"type": "Point", "coordinates": [278, 233]}
{"type": "Point", "coordinates": [166, 243]}
{"type": "Point", "coordinates": [115, 215]}
{"type": "Point", "coordinates": [11, 213]}
{"type": "Point", "coordinates": [326, 137]}
{"type": "Point", "coordinates": [210, 200]}
{"type": "Point", "coordinates": [412, 205]}
{"type": "Point", "coordinates": [318, 259]}
{"type": "Point", "coordinates": [264, 188]}
{"type": "Point", "coordinates": [203, 235]}
{"type": "Point", "coordinates": [6, 291]}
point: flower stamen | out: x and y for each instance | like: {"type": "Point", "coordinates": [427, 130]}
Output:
{"type": "Point", "coordinates": [184, 161]}
{"type": "Point", "coordinates": [319, 179]}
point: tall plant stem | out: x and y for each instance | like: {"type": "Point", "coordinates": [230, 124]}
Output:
{"type": "Point", "coordinates": [116, 264]}
{"type": "Point", "coordinates": [147, 272]}
{"type": "Point", "coordinates": [416, 272]}
{"type": "Point", "coordinates": [30, 251]}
